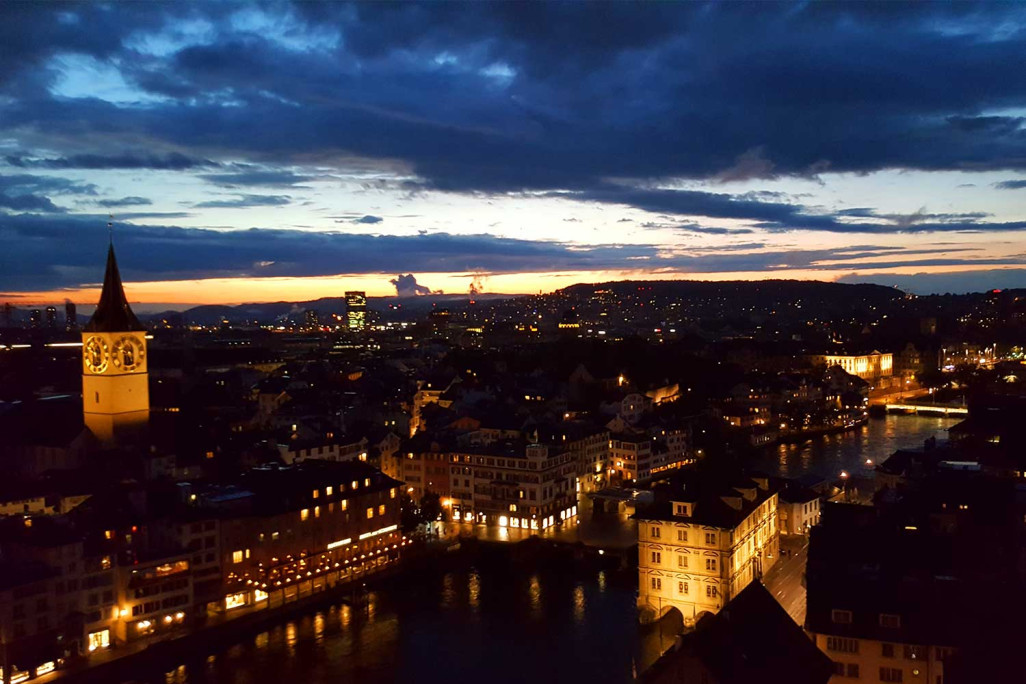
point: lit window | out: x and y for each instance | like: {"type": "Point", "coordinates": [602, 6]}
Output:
{"type": "Point", "coordinates": [316, 493]}
{"type": "Point", "coordinates": [237, 556]}
{"type": "Point", "coordinates": [328, 490]}
{"type": "Point", "coordinates": [391, 493]}
{"type": "Point", "coordinates": [304, 514]}
{"type": "Point", "coordinates": [317, 511]}
{"type": "Point", "coordinates": [108, 534]}
{"type": "Point", "coordinates": [381, 509]}
{"type": "Point", "coordinates": [345, 504]}
{"type": "Point", "coordinates": [366, 482]}
{"type": "Point", "coordinates": [370, 512]}
{"type": "Point", "coordinates": [355, 484]}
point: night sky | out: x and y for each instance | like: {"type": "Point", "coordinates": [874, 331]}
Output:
{"type": "Point", "coordinates": [266, 151]}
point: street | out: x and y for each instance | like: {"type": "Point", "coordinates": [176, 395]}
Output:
{"type": "Point", "coordinates": [784, 580]}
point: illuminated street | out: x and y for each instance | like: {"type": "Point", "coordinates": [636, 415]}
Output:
{"type": "Point", "coordinates": [784, 580]}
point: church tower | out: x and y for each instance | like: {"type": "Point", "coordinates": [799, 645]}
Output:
{"type": "Point", "coordinates": [115, 380]}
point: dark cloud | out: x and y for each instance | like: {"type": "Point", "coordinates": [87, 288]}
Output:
{"type": "Point", "coordinates": [133, 201]}
{"type": "Point", "coordinates": [503, 98]}
{"type": "Point", "coordinates": [170, 162]}
{"type": "Point", "coordinates": [368, 219]}
{"type": "Point", "coordinates": [24, 192]}
{"type": "Point", "coordinates": [264, 177]}
{"type": "Point", "coordinates": [1011, 185]}
{"type": "Point", "coordinates": [44, 252]}
{"type": "Point", "coordinates": [245, 201]}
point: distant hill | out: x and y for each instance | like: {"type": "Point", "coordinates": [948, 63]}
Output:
{"type": "Point", "coordinates": [765, 289]}
{"type": "Point", "coordinates": [388, 308]}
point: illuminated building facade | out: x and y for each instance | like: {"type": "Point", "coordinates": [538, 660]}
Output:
{"type": "Point", "coordinates": [508, 484]}
{"type": "Point", "coordinates": [291, 531]}
{"type": "Point", "coordinates": [356, 311]}
{"type": "Point", "coordinates": [701, 543]}
{"type": "Point", "coordinates": [153, 597]}
{"type": "Point", "coordinates": [115, 377]}
{"type": "Point", "coordinates": [871, 366]}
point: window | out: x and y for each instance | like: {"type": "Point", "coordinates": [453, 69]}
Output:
{"type": "Point", "coordinates": [655, 532]}
{"type": "Point", "coordinates": [370, 513]}
{"type": "Point", "coordinates": [682, 588]}
{"type": "Point", "coordinates": [710, 538]}
{"type": "Point", "coordinates": [890, 674]}
{"type": "Point", "coordinates": [316, 493]}
{"type": "Point", "coordinates": [852, 670]}
{"type": "Point", "coordinates": [304, 514]}
{"type": "Point", "coordinates": [711, 591]}
{"type": "Point", "coordinates": [682, 561]}
{"type": "Point", "coordinates": [237, 556]}
{"type": "Point", "coordinates": [657, 557]}
{"type": "Point", "coordinates": [914, 652]}
{"type": "Point", "coordinates": [892, 621]}
{"type": "Point", "coordinates": [381, 509]}
{"type": "Point", "coordinates": [838, 669]}
{"type": "Point", "coordinates": [328, 490]}
{"type": "Point", "coordinates": [843, 645]}
{"type": "Point", "coordinates": [345, 504]}
{"type": "Point", "coordinates": [657, 583]}
{"type": "Point", "coordinates": [840, 617]}
{"type": "Point", "coordinates": [366, 482]}
{"type": "Point", "coordinates": [682, 535]}
{"type": "Point", "coordinates": [710, 564]}
{"type": "Point", "coordinates": [317, 511]}
{"type": "Point", "coordinates": [887, 650]}
{"type": "Point", "coordinates": [391, 492]}
{"type": "Point", "coordinates": [680, 509]}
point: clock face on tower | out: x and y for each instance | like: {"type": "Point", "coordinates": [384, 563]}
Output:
{"type": "Point", "coordinates": [95, 355]}
{"type": "Point", "coordinates": [128, 354]}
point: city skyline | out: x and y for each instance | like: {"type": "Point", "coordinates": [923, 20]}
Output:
{"type": "Point", "coordinates": [289, 152]}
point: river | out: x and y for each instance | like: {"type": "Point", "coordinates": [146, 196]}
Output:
{"type": "Point", "coordinates": [825, 457]}
{"type": "Point", "coordinates": [501, 624]}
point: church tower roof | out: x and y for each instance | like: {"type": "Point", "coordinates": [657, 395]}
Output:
{"type": "Point", "coordinates": [113, 314]}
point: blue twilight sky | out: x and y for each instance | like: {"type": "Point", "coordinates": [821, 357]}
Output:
{"type": "Point", "coordinates": [260, 151]}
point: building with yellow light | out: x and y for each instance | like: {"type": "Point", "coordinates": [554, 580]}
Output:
{"type": "Point", "coordinates": [871, 366]}
{"type": "Point", "coordinates": [702, 541]}
{"type": "Point", "coordinates": [115, 377]}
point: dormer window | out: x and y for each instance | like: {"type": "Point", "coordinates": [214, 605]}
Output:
{"type": "Point", "coordinates": [681, 509]}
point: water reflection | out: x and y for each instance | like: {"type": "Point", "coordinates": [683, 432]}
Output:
{"type": "Point", "coordinates": [481, 623]}
{"type": "Point", "coordinates": [828, 455]}
{"type": "Point", "coordinates": [579, 604]}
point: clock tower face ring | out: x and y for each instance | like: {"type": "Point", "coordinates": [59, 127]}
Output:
{"type": "Point", "coordinates": [96, 355]}
{"type": "Point", "coordinates": [128, 353]}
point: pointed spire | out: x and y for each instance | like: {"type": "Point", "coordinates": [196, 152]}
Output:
{"type": "Point", "coordinates": [113, 314]}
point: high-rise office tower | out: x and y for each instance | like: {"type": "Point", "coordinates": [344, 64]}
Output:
{"type": "Point", "coordinates": [356, 311]}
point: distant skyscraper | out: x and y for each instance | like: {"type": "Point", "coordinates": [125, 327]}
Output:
{"type": "Point", "coordinates": [35, 318]}
{"type": "Point", "coordinates": [356, 311]}
{"type": "Point", "coordinates": [311, 318]}
{"type": "Point", "coordinates": [51, 317]}
{"type": "Point", "coordinates": [70, 317]}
